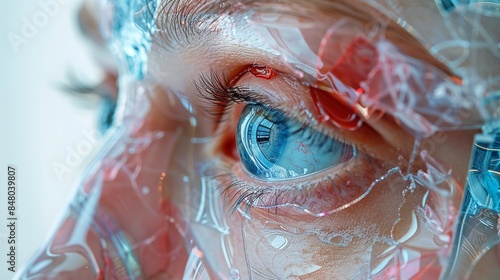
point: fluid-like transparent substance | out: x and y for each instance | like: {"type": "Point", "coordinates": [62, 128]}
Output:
{"type": "Point", "coordinates": [478, 228]}
{"type": "Point", "coordinates": [164, 199]}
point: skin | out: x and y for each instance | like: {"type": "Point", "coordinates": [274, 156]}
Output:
{"type": "Point", "coordinates": [388, 145]}
{"type": "Point", "coordinates": [231, 49]}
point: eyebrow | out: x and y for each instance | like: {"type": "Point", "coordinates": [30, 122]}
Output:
{"type": "Point", "coordinates": [178, 21]}
{"type": "Point", "coordinates": [182, 23]}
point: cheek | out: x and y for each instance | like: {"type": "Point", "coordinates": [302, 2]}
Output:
{"type": "Point", "coordinates": [283, 240]}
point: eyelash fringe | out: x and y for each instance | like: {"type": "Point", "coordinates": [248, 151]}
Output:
{"type": "Point", "coordinates": [214, 88]}
{"type": "Point", "coordinates": [237, 193]}
{"type": "Point", "coordinates": [237, 196]}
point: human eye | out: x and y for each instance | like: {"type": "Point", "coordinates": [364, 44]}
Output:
{"type": "Point", "coordinates": [273, 146]}
{"type": "Point", "coordinates": [273, 152]}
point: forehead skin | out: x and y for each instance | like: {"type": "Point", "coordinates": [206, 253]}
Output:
{"type": "Point", "coordinates": [178, 20]}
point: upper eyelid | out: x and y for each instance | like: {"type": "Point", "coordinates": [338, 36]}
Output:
{"type": "Point", "coordinates": [214, 87]}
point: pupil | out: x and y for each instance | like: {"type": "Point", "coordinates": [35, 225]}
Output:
{"type": "Point", "coordinates": [271, 134]}
{"type": "Point", "coordinates": [264, 132]}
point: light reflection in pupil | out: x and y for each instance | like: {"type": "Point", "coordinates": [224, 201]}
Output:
{"type": "Point", "coordinates": [264, 131]}
{"type": "Point", "coordinates": [263, 134]}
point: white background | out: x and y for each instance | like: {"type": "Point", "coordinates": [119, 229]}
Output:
{"type": "Point", "coordinates": [38, 120]}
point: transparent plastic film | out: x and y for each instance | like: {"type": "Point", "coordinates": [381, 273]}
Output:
{"type": "Point", "coordinates": [270, 216]}
{"type": "Point", "coordinates": [120, 224]}
{"type": "Point", "coordinates": [272, 140]}
{"type": "Point", "coordinates": [372, 76]}
{"type": "Point", "coordinates": [285, 229]}
{"type": "Point", "coordinates": [477, 241]}
{"type": "Point", "coordinates": [382, 60]}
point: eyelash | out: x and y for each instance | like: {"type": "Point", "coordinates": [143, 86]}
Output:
{"type": "Point", "coordinates": [215, 89]}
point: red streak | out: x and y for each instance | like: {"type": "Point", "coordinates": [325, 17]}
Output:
{"type": "Point", "coordinates": [262, 71]}
{"type": "Point", "coordinates": [258, 71]}
{"type": "Point", "coordinates": [333, 109]}
{"type": "Point", "coordinates": [356, 63]}
{"type": "Point", "coordinates": [351, 69]}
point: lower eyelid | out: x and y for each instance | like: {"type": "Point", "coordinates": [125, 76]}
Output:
{"type": "Point", "coordinates": [325, 192]}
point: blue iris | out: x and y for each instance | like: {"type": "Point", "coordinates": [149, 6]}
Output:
{"type": "Point", "coordinates": [273, 146]}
